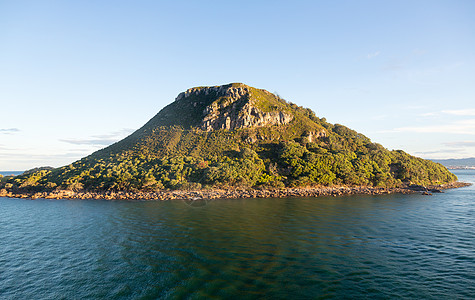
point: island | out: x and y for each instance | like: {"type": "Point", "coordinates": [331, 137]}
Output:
{"type": "Point", "coordinates": [234, 141]}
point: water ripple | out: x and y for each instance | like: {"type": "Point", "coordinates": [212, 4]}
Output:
{"type": "Point", "coordinates": [394, 246]}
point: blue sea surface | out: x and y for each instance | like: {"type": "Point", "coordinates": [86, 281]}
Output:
{"type": "Point", "coordinates": [371, 247]}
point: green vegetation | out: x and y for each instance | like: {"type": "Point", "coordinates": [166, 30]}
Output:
{"type": "Point", "coordinates": [171, 152]}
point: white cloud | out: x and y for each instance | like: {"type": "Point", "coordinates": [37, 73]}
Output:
{"type": "Point", "coordinates": [429, 114]}
{"type": "Point", "coordinates": [379, 117]}
{"type": "Point", "coordinates": [461, 112]}
{"type": "Point", "coordinates": [9, 130]}
{"type": "Point", "coordinates": [36, 157]}
{"type": "Point", "coordinates": [90, 141]}
{"type": "Point", "coordinates": [357, 90]}
{"type": "Point", "coordinates": [372, 55]}
{"type": "Point", "coordinates": [24, 160]}
{"type": "Point", "coordinates": [443, 154]}
{"type": "Point", "coordinates": [462, 144]}
{"type": "Point", "coordinates": [100, 140]}
{"type": "Point", "coordinates": [437, 152]}
{"type": "Point", "coordinates": [419, 52]}
{"type": "Point", "coordinates": [414, 107]}
{"type": "Point", "coordinates": [457, 127]}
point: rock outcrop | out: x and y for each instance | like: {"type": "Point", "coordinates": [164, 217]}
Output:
{"type": "Point", "coordinates": [234, 108]}
{"type": "Point", "coordinates": [313, 136]}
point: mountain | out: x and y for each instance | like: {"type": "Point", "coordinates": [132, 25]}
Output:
{"type": "Point", "coordinates": [456, 163]}
{"type": "Point", "coordinates": [237, 136]}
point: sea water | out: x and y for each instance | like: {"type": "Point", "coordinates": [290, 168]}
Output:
{"type": "Point", "coordinates": [388, 246]}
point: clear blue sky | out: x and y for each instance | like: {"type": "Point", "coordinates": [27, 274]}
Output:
{"type": "Point", "coordinates": [76, 76]}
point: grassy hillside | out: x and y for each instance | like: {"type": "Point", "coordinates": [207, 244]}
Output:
{"type": "Point", "coordinates": [172, 152]}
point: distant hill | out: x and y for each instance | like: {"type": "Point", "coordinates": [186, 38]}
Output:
{"type": "Point", "coordinates": [237, 136]}
{"type": "Point", "coordinates": [462, 162]}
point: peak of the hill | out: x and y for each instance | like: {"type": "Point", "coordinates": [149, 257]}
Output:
{"type": "Point", "coordinates": [235, 106]}
{"type": "Point", "coordinates": [231, 106]}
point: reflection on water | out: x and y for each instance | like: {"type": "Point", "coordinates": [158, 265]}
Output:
{"type": "Point", "coordinates": [355, 246]}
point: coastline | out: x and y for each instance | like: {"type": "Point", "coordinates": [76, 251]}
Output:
{"type": "Point", "coordinates": [236, 193]}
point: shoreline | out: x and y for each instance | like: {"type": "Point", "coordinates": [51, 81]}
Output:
{"type": "Point", "coordinates": [206, 194]}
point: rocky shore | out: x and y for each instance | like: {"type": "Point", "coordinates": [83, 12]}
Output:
{"type": "Point", "coordinates": [232, 193]}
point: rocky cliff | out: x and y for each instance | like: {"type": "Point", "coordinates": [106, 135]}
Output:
{"type": "Point", "coordinates": [234, 107]}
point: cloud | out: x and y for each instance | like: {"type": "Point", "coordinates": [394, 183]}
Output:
{"type": "Point", "coordinates": [469, 112]}
{"type": "Point", "coordinates": [429, 114]}
{"type": "Point", "coordinates": [429, 75]}
{"type": "Point", "coordinates": [24, 156]}
{"type": "Point", "coordinates": [25, 160]}
{"type": "Point", "coordinates": [444, 154]}
{"type": "Point", "coordinates": [457, 127]}
{"type": "Point", "coordinates": [419, 52]}
{"type": "Point", "coordinates": [461, 112]}
{"type": "Point", "coordinates": [5, 148]}
{"type": "Point", "coordinates": [393, 65]}
{"type": "Point", "coordinates": [463, 144]}
{"type": "Point", "coordinates": [372, 55]}
{"type": "Point", "coordinates": [379, 117]}
{"type": "Point", "coordinates": [414, 107]}
{"type": "Point", "coordinates": [438, 152]}
{"type": "Point", "coordinates": [9, 130]}
{"type": "Point", "coordinates": [100, 140]}
{"type": "Point", "coordinates": [456, 112]}
{"type": "Point", "coordinates": [450, 150]}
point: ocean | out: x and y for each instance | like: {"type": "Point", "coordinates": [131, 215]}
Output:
{"type": "Point", "coordinates": [358, 246]}
{"type": "Point", "coordinates": [8, 173]}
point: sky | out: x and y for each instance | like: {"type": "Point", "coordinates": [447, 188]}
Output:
{"type": "Point", "coordinates": [76, 76]}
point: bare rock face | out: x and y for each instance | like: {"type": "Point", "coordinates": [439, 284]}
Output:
{"type": "Point", "coordinates": [313, 136]}
{"type": "Point", "coordinates": [214, 90]}
{"type": "Point", "coordinates": [248, 116]}
{"type": "Point", "coordinates": [234, 108]}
